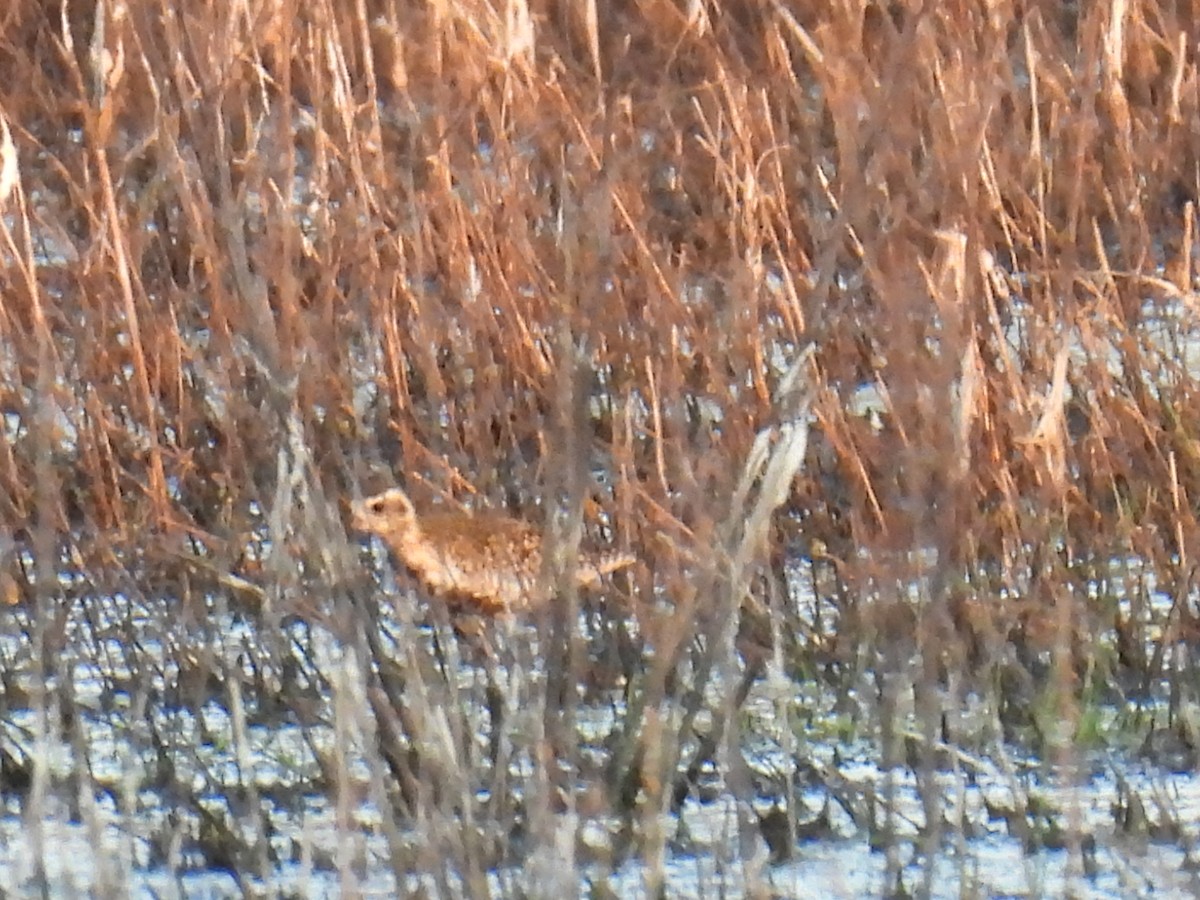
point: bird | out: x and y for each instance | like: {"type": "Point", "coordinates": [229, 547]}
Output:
{"type": "Point", "coordinates": [483, 563]}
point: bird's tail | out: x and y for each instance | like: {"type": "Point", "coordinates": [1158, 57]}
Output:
{"type": "Point", "coordinates": [593, 568]}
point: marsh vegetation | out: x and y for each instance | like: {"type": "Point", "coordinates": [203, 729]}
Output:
{"type": "Point", "coordinates": [868, 328]}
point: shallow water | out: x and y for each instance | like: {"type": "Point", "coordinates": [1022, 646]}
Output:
{"type": "Point", "coordinates": [102, 814]}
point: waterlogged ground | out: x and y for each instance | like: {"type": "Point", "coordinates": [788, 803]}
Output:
{"type": "Point", "coordinates": [136, 785]}
{"type": "Point", "coordinates": [990, 862]}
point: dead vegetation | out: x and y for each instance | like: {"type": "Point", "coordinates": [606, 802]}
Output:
{"type": "Point", "coordinates": [869, 331]}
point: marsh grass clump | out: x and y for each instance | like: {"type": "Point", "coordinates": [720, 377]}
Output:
{"type": "Point", "coordinates": [866, 330]}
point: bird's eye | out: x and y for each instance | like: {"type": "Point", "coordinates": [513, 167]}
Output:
{"type": "Point", "coordinates": [376, 505]}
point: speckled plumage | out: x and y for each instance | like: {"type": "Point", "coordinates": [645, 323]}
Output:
{"type": "Point", "coordinates": [484, 562]}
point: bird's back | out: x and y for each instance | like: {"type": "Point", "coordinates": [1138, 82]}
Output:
{"type": "Point", "coordinates": [491, 560]}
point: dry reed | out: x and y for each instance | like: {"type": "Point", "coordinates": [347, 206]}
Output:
{"type": "Point", "coordinates": [564, 259]}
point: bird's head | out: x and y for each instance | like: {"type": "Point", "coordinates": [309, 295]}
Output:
{"type": "Point", "coordinates": [391, 512]}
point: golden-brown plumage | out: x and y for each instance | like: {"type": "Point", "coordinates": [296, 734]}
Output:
{"type": "Point", "coordinates": [485, 562]}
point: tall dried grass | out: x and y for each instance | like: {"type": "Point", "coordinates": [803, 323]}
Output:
{"type": "Point", "coordinates": [563, 259]}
